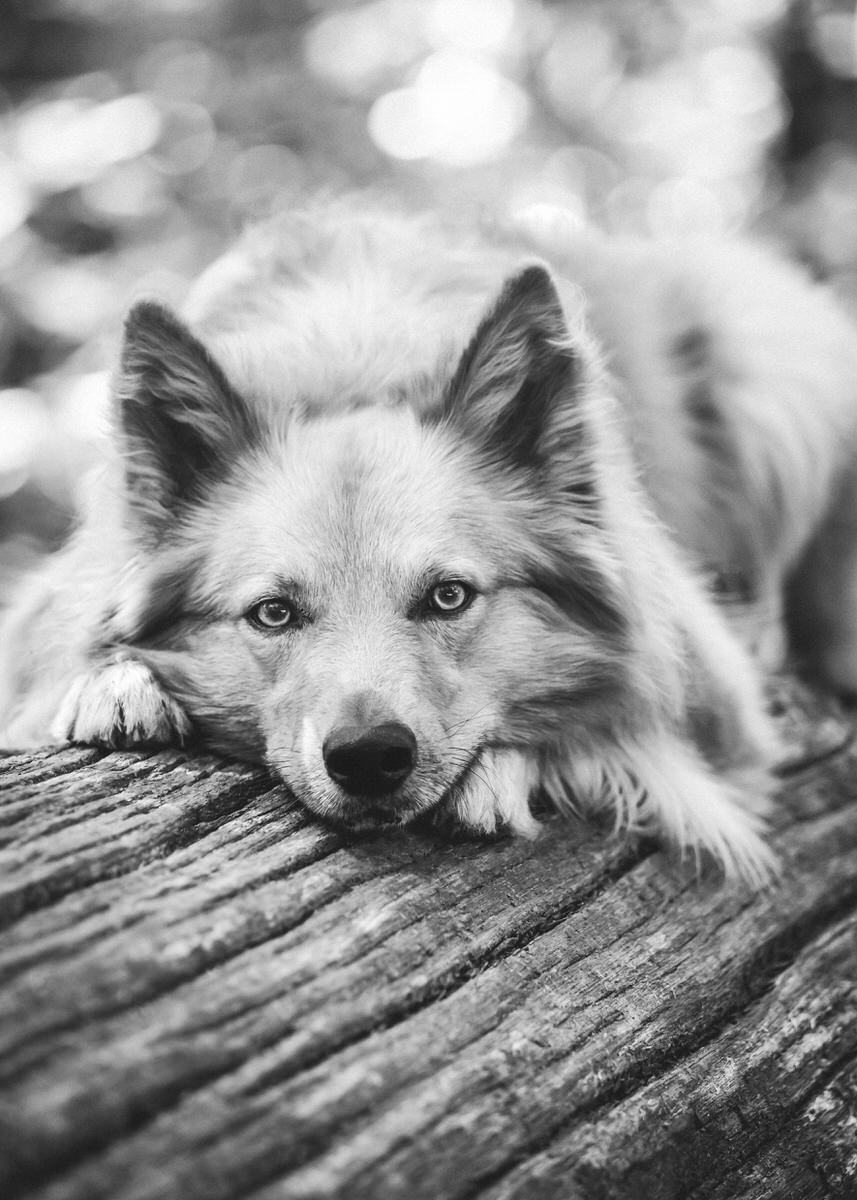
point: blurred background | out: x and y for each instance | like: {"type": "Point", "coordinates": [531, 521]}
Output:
{"type": "Point", "coordinates": [137, 137]}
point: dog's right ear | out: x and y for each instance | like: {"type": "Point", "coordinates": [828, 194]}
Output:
{"type": "Point", "coordinates": [180, 420]}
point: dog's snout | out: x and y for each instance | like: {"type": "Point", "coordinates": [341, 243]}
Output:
{"type": "Point", "coordinates": [370, 762]}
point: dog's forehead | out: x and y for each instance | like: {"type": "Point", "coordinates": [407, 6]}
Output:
{"type": "Point", "coordinates": [371, 490]}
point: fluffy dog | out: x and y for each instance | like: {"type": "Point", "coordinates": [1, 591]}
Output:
{"type": "Point", "coordinates": [427, 519]}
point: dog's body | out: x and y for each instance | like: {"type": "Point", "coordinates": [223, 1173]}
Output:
{"type": "Point", "coordinates": [388, 523]}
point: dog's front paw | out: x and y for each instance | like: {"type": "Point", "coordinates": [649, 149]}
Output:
{"type": "Point", "coordinates": [496, 795]}
{"type": "Point", "coordinates": [120, 705]}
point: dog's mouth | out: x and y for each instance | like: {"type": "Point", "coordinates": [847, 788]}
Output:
{"type": "Point", "coordinates": [359, 814]}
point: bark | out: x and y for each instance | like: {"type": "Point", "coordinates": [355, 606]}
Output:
{"type": "Point", "coordinates": [204, 993]}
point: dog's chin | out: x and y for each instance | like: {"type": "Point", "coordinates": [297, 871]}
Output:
{"type": "Point", "coordinates": [369, 815]}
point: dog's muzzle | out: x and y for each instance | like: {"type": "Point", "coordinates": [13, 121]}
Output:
{"type": "Point", "coordinates": [371, 761]}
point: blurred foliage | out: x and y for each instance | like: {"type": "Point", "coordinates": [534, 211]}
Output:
{"type": "Point", "coordinates": [135, 138]}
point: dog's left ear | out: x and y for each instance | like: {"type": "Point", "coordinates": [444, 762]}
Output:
{"type": "Point", "coordinates": [514, 389]}
{"type": "Point", "coordinates": [180, 420]}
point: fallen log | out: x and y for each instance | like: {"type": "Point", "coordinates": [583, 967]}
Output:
{"type": "Point", "coordinates": [205, 993]}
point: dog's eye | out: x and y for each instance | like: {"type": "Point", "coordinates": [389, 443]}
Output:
{"type": "Point", "coordinates": [450, 596]}
{"type": "Point", "coordinates": [275, 613]}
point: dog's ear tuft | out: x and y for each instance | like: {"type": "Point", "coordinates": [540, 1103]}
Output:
{"type": "Point", "coordinates": [514, 387]}
{"type": "Point", "coordinates": [180, 419]}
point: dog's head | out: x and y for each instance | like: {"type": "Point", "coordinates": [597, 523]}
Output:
{"type": "Point", "coordinates": [374, 601]}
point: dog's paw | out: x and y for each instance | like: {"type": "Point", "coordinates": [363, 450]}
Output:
{"type": "Point", "coordinates": [496, 795]}
{"type": "Point", "coordinates": [120, 705]}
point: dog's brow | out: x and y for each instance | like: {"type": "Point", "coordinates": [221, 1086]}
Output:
{"type": "Point", "coordinates": [452, 568]}
{"type": "Point", "coordinates": [257, 586]}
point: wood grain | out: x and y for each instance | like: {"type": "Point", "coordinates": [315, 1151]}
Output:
{"type": "Point", "coordinates": [204, 993]}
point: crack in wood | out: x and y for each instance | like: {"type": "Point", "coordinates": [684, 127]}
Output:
{"type": "Point", "coordinates": [755, 1138]}
{"type": "Point", "coordinates": [626, 1086]}
{"type": "Point", "coordinates": [777, 1135]}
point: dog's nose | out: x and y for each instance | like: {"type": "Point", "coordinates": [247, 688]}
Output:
{"type": "Point", "coordinates": [370, 762]}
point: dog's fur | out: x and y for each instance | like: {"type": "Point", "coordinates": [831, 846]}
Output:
{"type": "Point", "coordinates": [370, 405]}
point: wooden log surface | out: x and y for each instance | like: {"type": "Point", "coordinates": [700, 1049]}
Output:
{"type": "Point", "coordinates": [205, 993]}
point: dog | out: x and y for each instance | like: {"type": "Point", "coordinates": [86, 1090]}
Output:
{"type": "Point", "coordinates": [433, 519]}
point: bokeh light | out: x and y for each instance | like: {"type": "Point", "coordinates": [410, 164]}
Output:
{"type": "Point", "coordinates": [478, 27]}
{"type": "Point", "coordinates": [457, 111]}
{"type": "Point", "coordinates": [14, 197]}
{"type": "Point", "coordinates": [358, 47]}
{"type": "Point", "coordinates": [582, 66]}
{"type": "Point", "coordinates": [26, 429]}
{"type": "Point", "coordinates": [69, 300]}
{"type": "Point", "coordinates": [61, 143]}
{"type": "Point", "coordinates": [835, 40]}
{"type": "Point", "coordinates": [263, 179]}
